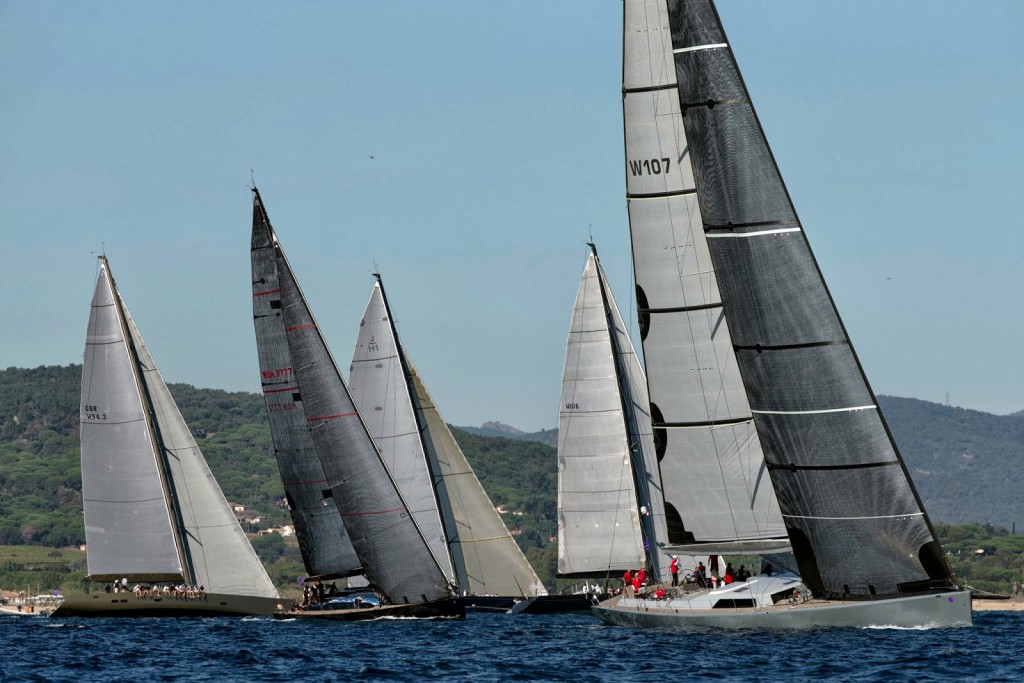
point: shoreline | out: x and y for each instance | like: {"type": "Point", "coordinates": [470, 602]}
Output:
{"type": "Point", "coordinates": [997, 605]}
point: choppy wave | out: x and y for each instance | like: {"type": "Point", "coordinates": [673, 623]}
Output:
{"type": "Point", "coordinates": [495, 647]}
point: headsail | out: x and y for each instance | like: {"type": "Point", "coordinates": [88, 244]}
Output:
{"type": "Point", "coordinates": [712, 467]}
{"type": "Point", "coordinates": [390, 545]}
{"type": "Point", "coordinates": [856, 523]}
{"type": "Point", "coordinates": [323, 541]}
{"type": "Point", "coordinates": [387, 388]}
{"type": "Point", "coordinates": [610, 504]}
{"type": "Point", "coordinates": [220, 556]}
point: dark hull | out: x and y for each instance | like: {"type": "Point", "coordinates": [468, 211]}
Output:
{"type": "Point", "coordinates": [452, 608]}
{"type": "Point", "coordinates": [554, 604]}
{"type": "Point", "coordinates": [131, 605]}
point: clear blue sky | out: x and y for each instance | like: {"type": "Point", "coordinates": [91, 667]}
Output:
{"type": "Point", "coordinates": [467, 148]}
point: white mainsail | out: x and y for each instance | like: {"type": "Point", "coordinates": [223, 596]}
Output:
{"type": "Point", "coordinates": [610, 505]}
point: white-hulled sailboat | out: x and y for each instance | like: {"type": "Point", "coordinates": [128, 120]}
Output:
{"type": "Point", "coordinates": [154, 515]}
{"type": "Point", "coordinates": [723, 270]}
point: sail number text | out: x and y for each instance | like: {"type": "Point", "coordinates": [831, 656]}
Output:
{"type": "Point", "coordinates": [277, 373]}
{"type": "Point", "coordinates": [649, 166]}
{"type": "Point", "coordinates": [93, 413]}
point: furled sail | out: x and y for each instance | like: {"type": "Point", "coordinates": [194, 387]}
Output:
{"type": "Point", "coordinates": [386, 538]}
{"type": "Point", "coordinates": [610, 504]}
{"type": "Point", "coordinates": [717, 489]}
{"type": "Point", "coordinates": [388, 390]}
{"type": "Point", "coordinates": [323, 541]}
{"type": "Point", "coordinates": [128, 526]}
{"type": "Point", "coordinates": [856, 523]}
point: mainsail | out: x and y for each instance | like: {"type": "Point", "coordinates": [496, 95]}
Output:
{"type": "Point", "coordinates": [718, 494]}
{"type": "Point", "coordinates": [425, 458]}
{"type": "Point", "coordinates": [386, 538]}
{"type": "Point", "coordinates": [610, 504]}
{"type": "Point", "coordinates": [323, 541]}
{"type": "Point", "coordinates": [152, 507]}
{"type": "Point", "coordinates": [856, 523]}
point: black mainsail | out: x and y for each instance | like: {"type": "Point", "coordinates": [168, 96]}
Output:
{"type": "Point", "coordinates": [391, 547]}
{"type": "Point", "coordinates": [323, 541]}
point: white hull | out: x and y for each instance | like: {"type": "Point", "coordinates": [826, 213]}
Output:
{"type": "Point", "coordinates": [936, 610]}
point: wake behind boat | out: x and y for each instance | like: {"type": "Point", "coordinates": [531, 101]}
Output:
{"type": "Point", "coordinates": [154, 515]}
{"type": "Point", "coordinates": [718, 250]}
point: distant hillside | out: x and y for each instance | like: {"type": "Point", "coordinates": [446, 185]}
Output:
{"type": "Point", "coordinates": [545, 436]}
{"type": "Point", "coordinates": [967, 465]}
{"type": "Point", "coordinates": [40, 474]}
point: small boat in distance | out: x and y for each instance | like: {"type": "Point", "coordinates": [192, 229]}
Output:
{"type": "Point", "coordinates": [391, 548]}
{"type": "Point", "coordinates": [723, 269]}
{"type": "Point", "coordinates": [161, 538]}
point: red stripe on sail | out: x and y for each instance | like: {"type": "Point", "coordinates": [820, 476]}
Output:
{"type": "Point", "coordinates": [269, 291]}
{"type": "Point", "coordinates": [375, 512]}
{"type": "Point", "coordinates": [275, 391]}
{"type": "Point", "coordinates": [299, 327]}
{"type": "Point", "coordinates": [329, 417]}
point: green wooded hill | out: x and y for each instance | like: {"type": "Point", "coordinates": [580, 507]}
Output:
{"type": "Point", "coordinates": [966, 464]}
{"type": "Point", "coordinates": [40, 475]}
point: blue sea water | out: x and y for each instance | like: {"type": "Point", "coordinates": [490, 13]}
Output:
{"type": "Point", "coordinates": [495, 647]}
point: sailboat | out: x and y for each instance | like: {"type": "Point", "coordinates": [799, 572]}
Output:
{"type": "Point", "coordinates": [611, 509]}
{"type": "Point", "coordinates": [154, 515]}
{"type": "Point", "coordinates": [718, 248]}
{"type": "Point", "coordinates": [326, 550]}
{"type": "Point", "coordinates": [385, 536]}
{"type": "Point", "coordinates": [466, 534]}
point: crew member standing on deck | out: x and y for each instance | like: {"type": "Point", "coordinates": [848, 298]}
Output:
{"type": "Point", "coordinates": [674, 568]}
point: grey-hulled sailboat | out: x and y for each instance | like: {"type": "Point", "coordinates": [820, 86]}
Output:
{"type": "Point", "coordinates": [465, 532]}
{"type": "Point", "coordinates": [710, 217]}
{"type": "Point", "coordinates": [326, 550]}
{"type": "Point", "coordinates": [611, 510]}
{"type": "Point", "coordinates": [154, 514]}
{"type": "Point", "coordinates": [386, 538]}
